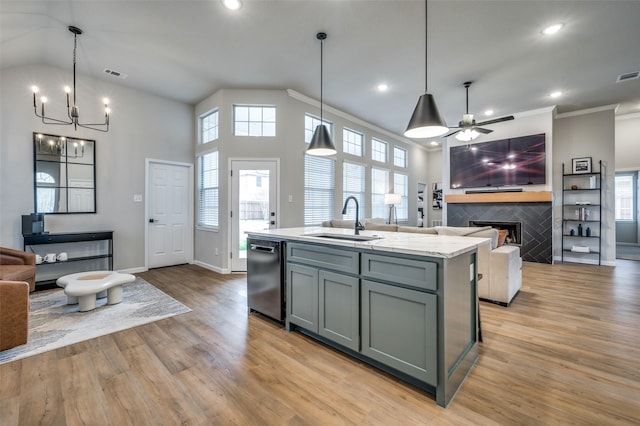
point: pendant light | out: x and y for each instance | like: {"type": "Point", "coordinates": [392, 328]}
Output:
{"type": "Point", "coordinates": [321, 143]}
{"type": "Point", "coordinates": [426, 121]}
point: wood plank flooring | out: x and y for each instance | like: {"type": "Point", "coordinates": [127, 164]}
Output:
{"type": "Point", "coordinates": [567, 351]}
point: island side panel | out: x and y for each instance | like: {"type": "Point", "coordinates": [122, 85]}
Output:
{"type": "Point", "coordinates": [458, 323]}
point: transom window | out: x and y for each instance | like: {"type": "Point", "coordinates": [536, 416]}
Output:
{"type": "Point", "coordinates": [208, 205]}
{"type": "Point", "coordinates": [379, 187]}
{"type": "Point", "coordinates": [399, 157]}
{"type": "Point", "coordinates": [254, 120]}
{"type": "Point", "coordinates": [310, 124]}
{"type": "Point", "coordinates": [401, 186]}
{"type": "Point", "coordinates": [319, 187]}
{"type": "Point", "coordinates": [379, 150]}
{"type": "Point", "coordinates": [352, 142]}
{"type": "Point", "coordinates": [353, 184]}
{"type": "Point", "coordinates": [209, 127]}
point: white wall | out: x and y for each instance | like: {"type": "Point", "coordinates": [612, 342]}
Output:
{"type": "Point", "coordinates": [627, 142]}
{"type": "Point", "coordinates": [142, 126]}
{"type": "Point", "coordinates": [589, 133]}
{"type": "Point", "coordinates": [289, 147]}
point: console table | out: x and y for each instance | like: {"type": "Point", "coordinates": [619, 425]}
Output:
{"type": "Point", "coordinates": [86, 251]}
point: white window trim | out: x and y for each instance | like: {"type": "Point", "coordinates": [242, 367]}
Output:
{"type": "Point", "coordinates": [233, 123]}
{"type": "Point", "coordinates": [362, 147]}
{"type": "Point", "coordinates": [200, 129]}
{"type": "Point", "coordinates": [199, 227]}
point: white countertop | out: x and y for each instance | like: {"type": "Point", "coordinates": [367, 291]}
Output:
{"type": "Point", "coordinates": [394, 242]}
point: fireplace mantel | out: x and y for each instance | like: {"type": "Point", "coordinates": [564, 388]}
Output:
{"type": "Point", "coordinates": [500, 197]}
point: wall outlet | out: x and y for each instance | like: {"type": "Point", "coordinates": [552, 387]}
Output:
{"type": "Point", "coordinates": [215, 251]}
{"type": "Point", "coordinates": [291, 198]}
{"type": "Point", "coordinates": [137, 198]}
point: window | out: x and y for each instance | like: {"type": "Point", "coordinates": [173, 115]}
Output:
{"type": "Point", "coordinates": [352, 142]}
{"type": "Point", "coordinates": [208, 190]}
{"type": "Point", "coordinates": [310, 124]}
{"type": "Point", "coordinates": [254, 120]}
{"type": "Point", "coordinates": [399, 157]}
{"type": "Point", "coordinates": [379, 187]}
{"type": "Point", "coordinates": [319, 184]}
{"type": "Point", "coordinates": [624, 197]}
{"type": "Point", "coordinates": [353, 184]}
{"type": "Point", "coordinates": [401, 186]}
{"type": "Point", "coordinates": [209, 127]}
{"type": "Point", "coordinates": [378, 150]}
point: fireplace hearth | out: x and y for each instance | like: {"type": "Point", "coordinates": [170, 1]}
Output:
{"type": "Point", "coordinates": [514, 229]}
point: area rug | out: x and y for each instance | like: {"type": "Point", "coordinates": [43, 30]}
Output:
{"type": "Point", "coordinates": [54, 324]}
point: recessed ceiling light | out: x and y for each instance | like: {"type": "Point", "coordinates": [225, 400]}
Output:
{"type": "Point", "coordinates": [232, 4]}
{"type": "Point", "coordinates": [488, 112]}
{"type": "Point", "coordinates": [383, 87]}
{"type": "Point", "coordinates": [556, 94]}
{"type": "Point", "coordinates": [434, 143]}
{"type": "Point", "coordinates": [552, 29]}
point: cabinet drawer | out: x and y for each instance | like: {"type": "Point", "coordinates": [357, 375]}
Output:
{"type": "Point", "coordinates": [415, 273]}
{"type": "Point", "coordinates": [324, 257]}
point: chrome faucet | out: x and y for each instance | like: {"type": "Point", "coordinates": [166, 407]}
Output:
{"type": "Point", "coordinates": [358, 225]}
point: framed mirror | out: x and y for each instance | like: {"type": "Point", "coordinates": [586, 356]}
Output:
{"type": "Point", "coordinates": [64, 174]}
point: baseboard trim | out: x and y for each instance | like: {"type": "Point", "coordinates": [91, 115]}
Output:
{"type": "Point", "coordinates": [134, 270]}
{"type": "Point", "coordinates": [212, 267]}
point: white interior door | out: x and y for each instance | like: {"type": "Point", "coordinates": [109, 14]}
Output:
{"type": "Point", "coordinates": [170, 213]}
{"type": "Point", "coordinates": [254, 195]}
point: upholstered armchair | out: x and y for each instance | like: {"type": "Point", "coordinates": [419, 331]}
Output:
{"type": "Point", "coordinates": [14, 313]}
{"type": "Point", "coordinates": [18, 265]}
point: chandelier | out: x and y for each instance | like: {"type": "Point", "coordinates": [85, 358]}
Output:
{"type": "Point", "coordinates": [73, 112]}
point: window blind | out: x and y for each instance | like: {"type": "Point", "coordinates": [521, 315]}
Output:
{"type": "Point", "coordinates": [319, 186]}
{"type": "Point", "coordinates": [353, 184]}
{"type": "Point", "coordinates": [379, 187]}
{"type": "Point", "coordinates": [401, 186]}
{"type": "Point", "coordinates": [208, 206]}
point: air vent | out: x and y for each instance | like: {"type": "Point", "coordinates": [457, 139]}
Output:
{"type": "Point", "coordinates": [628, 76]}
{"type": "Point", "coordinates": [115, 73]}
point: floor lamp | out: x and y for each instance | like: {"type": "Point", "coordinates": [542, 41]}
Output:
{"type": "Point", "coordinates": [392, 200]}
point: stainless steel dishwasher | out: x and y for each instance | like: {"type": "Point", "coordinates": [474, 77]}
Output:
{"type": "Point", "coordinates": [265, 277]}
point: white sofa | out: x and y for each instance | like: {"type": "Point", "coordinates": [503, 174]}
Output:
{"type": "Point", "coordinates": [499, 268]}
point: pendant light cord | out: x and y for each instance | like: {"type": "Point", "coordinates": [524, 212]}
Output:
{"type": "Point", "coordinates": [321, 84]}
{"type": "Point", "coordinates": [75, 46]}
{"type": "Point", "coordinates": [426, 47]}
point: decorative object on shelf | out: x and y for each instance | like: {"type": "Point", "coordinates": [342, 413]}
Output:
{"type": "Point", "coordinates": [580, 230]}
{"type": "Point", "coordinates": [321, 143]}
{"type": "Point", "coordinates": [574, 187]}
{"type": "Point", "coordinates": [583, 203]}
{"type": "Point", "coordinates": [583, 213]}
{"type": "Point", "coordinates": [72, 110]}
{"type": "Point", "coordinates": [592, 182]}
{"type": "Point", "coordinates": [581, 165]}
{"type": "Point", "coordinates": [391, 200]}
{"type": "Point", "coordinates": [437, 196]}
{"type": "Point", "coordinates": [426, 120]}
{"type": "Point", "coordinates": [588, 232]}
{"type": "Point", "coordinates": [572, 232]}
{"type": "Point", "coordinates": [580, 249]}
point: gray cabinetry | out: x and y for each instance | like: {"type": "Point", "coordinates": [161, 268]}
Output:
{"type": "Point", "coordinates": [339, 309]}
{"type": "Point", "coordinates": [399, 329]}
{"type": "Point", "coordinates": [302, 296]}
{"type": "Point", "coordinates": [320, 298]}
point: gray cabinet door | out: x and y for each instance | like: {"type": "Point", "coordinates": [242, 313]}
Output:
{"type": "Point", "coordinates": [339, 308]}
{"type": "Point", "coordinates": [302, 296]}
{"type": "Point", "coordinates": [399, 329]}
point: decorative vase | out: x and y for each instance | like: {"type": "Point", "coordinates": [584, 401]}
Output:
{"type": "Point", "coordinates": [580, 230]}
{"type": "Point", "coordinates": [588, 231]}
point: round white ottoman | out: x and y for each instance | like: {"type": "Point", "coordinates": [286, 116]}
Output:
{"type": "Point", "coordinates": [84, 287]}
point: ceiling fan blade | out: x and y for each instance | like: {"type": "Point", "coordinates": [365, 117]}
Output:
{"type": "Point", "coordinates": [450, 133]}
{"type": "Point", "coordinates": [481, 130]}
{"type": "Point", "coordinates": [495, 120]}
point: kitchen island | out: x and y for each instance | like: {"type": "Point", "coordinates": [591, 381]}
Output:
{"type": "Point", "coordinates": [405, 303]}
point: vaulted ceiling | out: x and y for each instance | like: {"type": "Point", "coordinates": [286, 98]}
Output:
{"type": "Point", "coordinates": [186, 50]}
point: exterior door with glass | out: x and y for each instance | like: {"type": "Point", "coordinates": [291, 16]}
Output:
{"type": "Point", "coordinates": [254, 198]}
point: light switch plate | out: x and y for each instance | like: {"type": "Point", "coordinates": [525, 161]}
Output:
{"type": "Point", "coordinates": [137, 198]}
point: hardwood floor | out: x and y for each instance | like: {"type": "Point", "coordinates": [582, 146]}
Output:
{"type": "Point", "coordinates": [567, 351]}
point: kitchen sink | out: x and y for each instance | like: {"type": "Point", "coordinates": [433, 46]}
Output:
{"type": "Point", "coordinates": [344, 237]}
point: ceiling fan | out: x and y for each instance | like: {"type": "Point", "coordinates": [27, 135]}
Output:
{"type": "Point", "coordinates": [468, 129]}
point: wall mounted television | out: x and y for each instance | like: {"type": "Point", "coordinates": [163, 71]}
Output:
{"type": "Point", "coordinates": [505, 162]}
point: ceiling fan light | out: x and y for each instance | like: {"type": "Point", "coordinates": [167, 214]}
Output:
{"type": "Point", "coordinates": [467, 135]}
{"type": "Point", "coordinates": [426, 121]}
{"type": "Point", "coordinates": [321, 143]}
